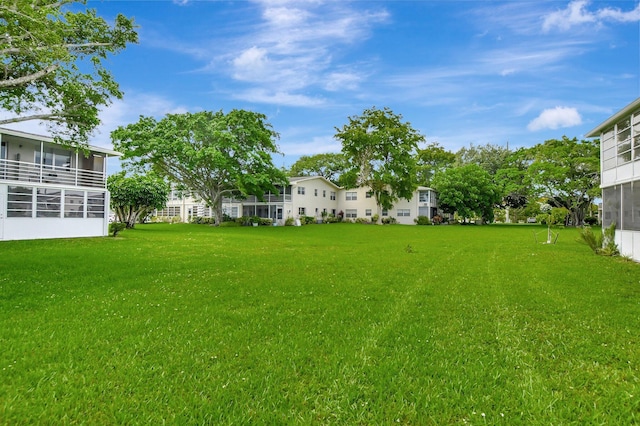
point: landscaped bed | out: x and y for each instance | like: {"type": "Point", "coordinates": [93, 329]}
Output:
{"type": "Point", "coordinates": [320, 324]}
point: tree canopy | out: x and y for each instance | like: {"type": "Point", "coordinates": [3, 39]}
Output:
{"type": "Point", "coordinates": [490, 157]}
{"type": "Point", "coordinates": [329, 165]}
{"type": "Point", "coordinates": [431, 160]}
{"type": "Point", "coordinates": [45, 49]}
{"type": "Point", "coordinates": [567, 172]}
{"type": "Point", "coordinates": [213, 154]}
{"type": "Point", "coordinates": [468, 190]}
{"type": "Point", "coordinates": [380, 151]}
{"type": "Point", "coordinates": [513, 179]}
{"type": "Point", "coordinates": [134, 197]}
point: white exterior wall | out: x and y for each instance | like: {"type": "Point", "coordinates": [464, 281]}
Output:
{"type": "Point", "coordinates": [316, 197]}
{"type": "Point", "coordinates": [361, 204]}
{"type": "Point", "coordinates": [620, 169]}
{"type": "Point", "coordinates": [21, 228]}
{"type": "Point", "coordinates": [66, 182]}
{"type": "Point", "coordinates": [314, 204]}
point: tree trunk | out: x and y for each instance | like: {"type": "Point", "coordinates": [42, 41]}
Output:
{"type": "Point", "coordinates": [217, 211]}
{"type": "Point", "coordinates": [132, 219]}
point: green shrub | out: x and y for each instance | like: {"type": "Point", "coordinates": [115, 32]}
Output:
{"type": "Point", "coordinates": [265, 221]}
{"type": "Point", "coordinates": [331, 218]}
{"type": "Point", "coordinates": [116, 227]}
{"type": "Point", "coordinates": [362, 220]}
{"type": "Point", "coordinates": [422, 220]}
{"type": "Point", "coordinates": [591, 221]}
{"type": "Point", "coordinates": [593, 240]}
{"type": "Point", "coordinates": [389, 220]}
{"type": "Point", "coordinates": [289, 221]}
{"type": "Point", "coordinates": [375, 218]}
{"type": "Point", "coordinates": [307, 220]}
{"type": "Point", "coordinates": [559, 215]}
{"type": "Point", "coordinates": [609, 246]}
{"type": "Point", "coordinates": [437, 220]}
{"type": "Point", "coordinates": [542, 218]}
{"type": "Point", "coordinates": [601, 243]}
{"type": "Point", "coordinates": [199, 220]}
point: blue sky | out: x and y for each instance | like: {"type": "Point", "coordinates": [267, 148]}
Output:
{"type": "Point", "coordinates": [462, 72]}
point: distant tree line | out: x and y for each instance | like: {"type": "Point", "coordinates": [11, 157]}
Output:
{"type": "Point", "coordinates": [475, 180]}
{"type": "Point", "coordinates": [216, 155]}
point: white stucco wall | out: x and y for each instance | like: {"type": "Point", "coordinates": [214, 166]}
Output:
{"type": "Point", "coordinates": [21, 228]}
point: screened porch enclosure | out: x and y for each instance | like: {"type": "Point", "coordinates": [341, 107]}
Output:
{"type": "Point", "coordinates": [273, 206]}
{"type": "Point", "coordinates": [33, 161]}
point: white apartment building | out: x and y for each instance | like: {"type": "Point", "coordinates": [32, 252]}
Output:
{"type": "Point", "coordinates": [620, 176]}
{"type": "Point", "coordinates": [51, 191]}
{"type": "Point", "coordinates": [309, 196]}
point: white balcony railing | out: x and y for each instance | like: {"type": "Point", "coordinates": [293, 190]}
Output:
{"type": "Point", "coordinates": [20, 171]}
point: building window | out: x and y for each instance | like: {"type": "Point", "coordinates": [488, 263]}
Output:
{"type": "Point", "coordinates": [404, 212]}
{"type": "Point", "coordinates": [367, 212]}
{"type": "Point", "coordinates": [315, 192]}
{"type": "Point", "coordinates": [424, 197]}
{"type": "Point", "coordinates": [302, 211]}
{"type": "Point", "coordinates": [385, 212]}
{"type": "Point", "coordinates": [351, 213]}
{"type": "Point", "coordinates": [170, 211]}
{"type": "Point", "coordinates": [351, 196]}
{"type": "Point", "coordinates": [73, 203]}
{"type": "Point", "coordinates": [623, 136]}
{"type": "Point", "coordinates": [301, 190]}
{"type": "Point", "coordinates": [19, 201]}
{"type": "Point", "coordinates": [95, 204]}
{"type": "Point", "coordinates": [324, 193]}
{"type": "Point", "coordinates": [48, 202]}
{"type": "Point", "coordinates": [369, 194]}
{"type": "Point", "coordinates": [332, 195]}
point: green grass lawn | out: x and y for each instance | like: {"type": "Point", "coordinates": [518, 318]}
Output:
{"type": "Point", "coordinates": [322, 324]}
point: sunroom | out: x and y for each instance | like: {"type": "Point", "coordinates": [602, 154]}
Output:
{"type": "Point", "coordinates": [48, 190]}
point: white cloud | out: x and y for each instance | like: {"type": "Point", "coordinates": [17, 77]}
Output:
{"type": "Point", "coordinates": [251, 64]}
{"type": "Point", "coordinates": [576, 13]}
{"type": "Point", "coordinates": [342, 80]}
{"type": "Point", "coordinates": [555, 118]}
{"type": "Point", "coordinates": [297, 46]}
{"type": "Point", "coordinates": [284, 16]}
{"type": "Point", "coordinates": [281, 98]}
{"type": "Point", "coordinates": [317, 145]}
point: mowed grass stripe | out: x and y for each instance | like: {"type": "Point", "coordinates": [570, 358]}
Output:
{"type": "Point", "coordinates": [321, 324]}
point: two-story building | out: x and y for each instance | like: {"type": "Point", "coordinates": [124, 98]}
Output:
{"type": "Point", "coordinates": [48, 190]}
{"type": "Point", "coordinates": [620, 176]}
{"type": "Point", "coordinates": [312, 196]}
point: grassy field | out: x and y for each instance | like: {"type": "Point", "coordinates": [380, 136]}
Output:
{"type": "Point", "coordinates": [323, 324]}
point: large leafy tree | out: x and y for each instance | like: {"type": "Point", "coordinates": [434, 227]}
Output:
{"type": "Point", "coordinates": [431, 160]}
{"type": "Point", "coordinates": [380, 150]}
{"type": "Point", "coordinates": [468, 190]}
{"type": "Point", "coordinates": [513, 179]}
{"type": "Point", "coordinates": [329, 165]}
{"type": "Point", "coordinates": [490, 157]}
{"type": "Point", "coordinates": [52, 64]}
{"type": "Point", "coordinates": [134, 197]}
{"type": "Point", "coordinates": [567, 172]}
{"type": "Point", "coordinates": [211, 153]}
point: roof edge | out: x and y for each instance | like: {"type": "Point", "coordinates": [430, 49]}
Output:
{"type": "Point", "coordinates": [611, 120]}
{"type": "Point", "coordinates": [20, 133]}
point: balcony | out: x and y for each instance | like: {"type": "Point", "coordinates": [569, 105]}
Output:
{"type": "Point", "coordinates": [20, 171]}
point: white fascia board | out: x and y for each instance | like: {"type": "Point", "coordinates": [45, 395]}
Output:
{"type": "Point", "coordinates": [33, 136]}
{"type": "Point", "coordinates": [613, 119]}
